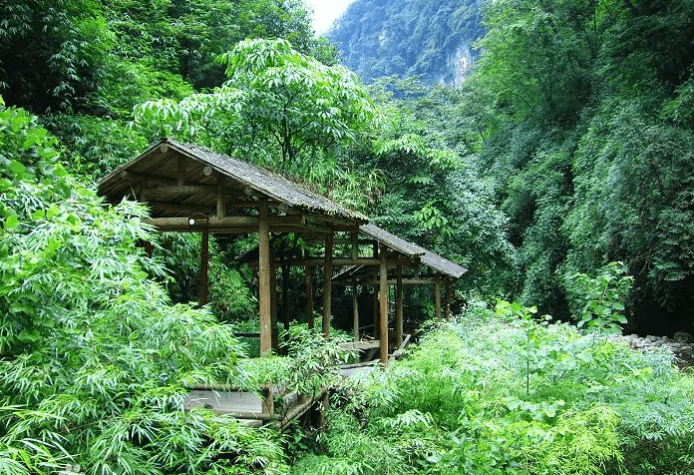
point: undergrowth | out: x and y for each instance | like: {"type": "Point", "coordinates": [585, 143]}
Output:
{"type": "Point", "coordinates": [501, 393]}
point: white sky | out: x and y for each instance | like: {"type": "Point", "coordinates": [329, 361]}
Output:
{"type": "Point", "coordinates": [325, 11]}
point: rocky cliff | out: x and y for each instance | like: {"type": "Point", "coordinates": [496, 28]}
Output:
{"type": "Point", "coordinates": [433, 39]}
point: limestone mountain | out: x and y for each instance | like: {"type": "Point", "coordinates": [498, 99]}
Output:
{"type": "Point", "coordinates": [429, 38]}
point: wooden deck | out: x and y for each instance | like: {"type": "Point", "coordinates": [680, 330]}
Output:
{"type": "Point", "coordinates": [249, 407]}
{"type": "Point", "coordinates": [269, 405]}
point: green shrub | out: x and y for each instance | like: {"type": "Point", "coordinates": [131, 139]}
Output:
{"type": "Point", "coordinates": [94, 357]}
{"type": "Point", "coordinates": [505, 393]}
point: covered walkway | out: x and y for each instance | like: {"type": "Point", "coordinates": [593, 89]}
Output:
{"type": "Point", "coordinates": [190, 189]}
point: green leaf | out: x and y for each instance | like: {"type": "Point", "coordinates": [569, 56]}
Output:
{"type": "Point", "coordinates": [53, 211]}
{"type": "Point", "coordinates": [18, 307]}
{"type": "Point", "coordinates": [29, 335]}
{"type": "Point", "coordinates": [11, 221]}
{"type": "Point", "coordinates": [59, 171]}
{"type": "Point", "coordinates": [18, 169]}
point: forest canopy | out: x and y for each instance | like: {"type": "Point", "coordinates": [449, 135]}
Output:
{"type": "Point", "coordinates": [555, 162]}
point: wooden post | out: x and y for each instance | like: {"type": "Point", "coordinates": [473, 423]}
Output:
{"type": "Point", "coordinates": [377, 321]}
{"type": "Point", "coordinates": [355, 311]}
{"type": "Point", "coordinates": [204, 288]}
{"type": "Point", "coordinates": [309, 295]}
{"type": "Point", "coordinates": [324, 406]}
{"type": "Point", "coordinates": [384, 306]}
{"type": "Point", "coordinates": [437, 299]}
{"type": "Point", "coordinates": [273, 302]}
{"type": "Point", "coordinates": [398, 307]}
{"type": "Point", "coordinates": [447, 312]}
{"type": "Point", "coordinates": [264, 265]}
{"type": "Point", "coordinates": [285, 292]}
{"type": "Point", "coordinates": [355, 299]}
{"type": "Point", "coordinates": [327, 283]}
{"type": "Point", "coordinates": [221, 199]}
{"type": "Point", "coordinates": [376, 312]}
{"type": "Point", "coordinates": [268, 406]}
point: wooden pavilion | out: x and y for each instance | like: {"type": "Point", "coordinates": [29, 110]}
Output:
{"type": "Point", "coordinates": [191, 189]}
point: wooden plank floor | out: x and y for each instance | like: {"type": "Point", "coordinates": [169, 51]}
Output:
{"type": "Point", "coordinates": [254, 409]}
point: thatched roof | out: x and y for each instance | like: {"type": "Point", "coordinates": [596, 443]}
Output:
{"type": "Point", "coordinates": [438, 264]}
{"type": "Point", "coordinates": [442, 265]}
{"type": "Point", "coordinates": [430, 259]}
{"type": "Point", "coordinates": [177, 178]}
{"type": "Point", "coordinates": [391, 241]}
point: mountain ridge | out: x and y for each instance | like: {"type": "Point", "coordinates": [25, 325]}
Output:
{"type": "Point", "coordinates": [430, 39]}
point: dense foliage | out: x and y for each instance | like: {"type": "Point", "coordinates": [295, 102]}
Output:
{"type": "Point", "coordinates": [591, 146]}
{"type": "Point", "coordinates": [435, 194]}
{"type": "Point", "coordinates": [576, 120]}
{"type": "Point", "coordinates": [93, 355]}
{"type": "Point", "coordinates": [558, 171]}
{"type": "Point", "coordinates": [280, 109]}
{"type": "Point", "coordinates": [84, 65]}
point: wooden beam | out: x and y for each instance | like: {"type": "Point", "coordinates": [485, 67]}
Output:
{"type": "Point", "coordinates": [180, 189]}
{"type": "Point", "coordinates": [216, 222]}
{"type": "Point", "coordinates": [203, 221]}
{"type": "Point", "coordinates": [235, 230]}
{"type": "Point", "coordinates": [164, 182]}
{"type": "Point", "coordinates": [361, 261]}
{"type": "Point", "coordinates": [204, 288]}
{"type": "Point", "coordinates": [264, 270]}
{"type": "Point", "coordinates": [168, 187]}
{"type": "Point", "coordinates": [181, 208]}
{"type": "Point", "coordinates": [327, 284]}
{"type": "Point", "coordinates": [376, 281]}
{"type": "Point", "coordinates": [334, 226]}
{"type": "Point", "coordinates": [401, 349]}
{"type": "Point", "coordinates": [398, 306]}
{"type": "Point", "coordinates": [384, 306]}
{"type": "Point", "coordinates": [340, 241]}
{"type": "Point", "coordinates": [437, 299]}
{"type": "Point", "coordinates": [355, 245]}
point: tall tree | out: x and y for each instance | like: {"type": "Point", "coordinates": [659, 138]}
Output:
{"type": "Point", "coordinates": [51, 53]}
{"type": "Point", "coordinates": [279, 108]}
